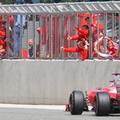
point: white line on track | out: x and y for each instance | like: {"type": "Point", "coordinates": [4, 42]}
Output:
{"type": "Point", "coordinates": [49, 107]}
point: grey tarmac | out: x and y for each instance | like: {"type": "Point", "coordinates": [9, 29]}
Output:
{"type": "Point", "coordinates": [48, 114]}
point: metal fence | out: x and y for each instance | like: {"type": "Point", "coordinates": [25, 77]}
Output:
{"type": "Point", "coordinates": [41, 31]}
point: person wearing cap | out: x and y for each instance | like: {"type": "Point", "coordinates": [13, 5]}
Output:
{"type": "Point", "coordinates": [82, 43]}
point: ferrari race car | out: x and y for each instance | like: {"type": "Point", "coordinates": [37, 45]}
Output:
{"type": "Point", "coordinates": [103, 101]}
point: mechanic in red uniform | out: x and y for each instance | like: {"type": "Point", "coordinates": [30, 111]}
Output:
{"type": "Point", "coordinates": [82, 43]}
{"type": "Point", "coordinates": [2, 44]}
{"type": "Point", "coordinates": [2, 48]}
{"type": "Point", "coordinates": [112, 49]}
{"type": "Point", "coordinates": [2, 38]}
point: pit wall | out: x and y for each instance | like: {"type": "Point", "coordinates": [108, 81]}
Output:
{"type": "Point", "coordinates": [51, 81]}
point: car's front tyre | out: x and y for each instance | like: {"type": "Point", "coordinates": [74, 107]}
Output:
{"type": "Point", "coordinates": [102, 104]}
{"type": "Point", "coordinates": [76, 102]}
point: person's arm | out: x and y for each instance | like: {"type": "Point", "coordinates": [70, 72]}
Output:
{"type": "Point", "coordinates": [2, 33]}
{"type": "Point", "coordinates": [74, 49]}
{"type": "Point", "coordinates": [75, 37]}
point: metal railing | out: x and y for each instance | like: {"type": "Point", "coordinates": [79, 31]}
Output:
{"type": "Point", "coordinates": [39, 31]}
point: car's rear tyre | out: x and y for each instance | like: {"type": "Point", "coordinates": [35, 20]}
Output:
{"type": "Point", "coordinates": [102, 104]}
{"type": "Point", "coordinates": [76, 102]}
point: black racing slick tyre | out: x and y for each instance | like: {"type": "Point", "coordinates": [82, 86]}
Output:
{"type": "Point", "coordinates": [102, 104]}
{"type": "Point", "coordinates": [76, 102]}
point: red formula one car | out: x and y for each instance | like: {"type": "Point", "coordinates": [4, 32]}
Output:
{"type": "Point", "coordinates": [103, 101]}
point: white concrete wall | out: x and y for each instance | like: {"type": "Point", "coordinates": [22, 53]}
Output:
{"type": "Point", "coordinates": [50, 82]}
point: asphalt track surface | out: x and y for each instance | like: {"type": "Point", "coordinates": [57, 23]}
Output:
{"type": "Point", "coordinates": [44, 113]}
